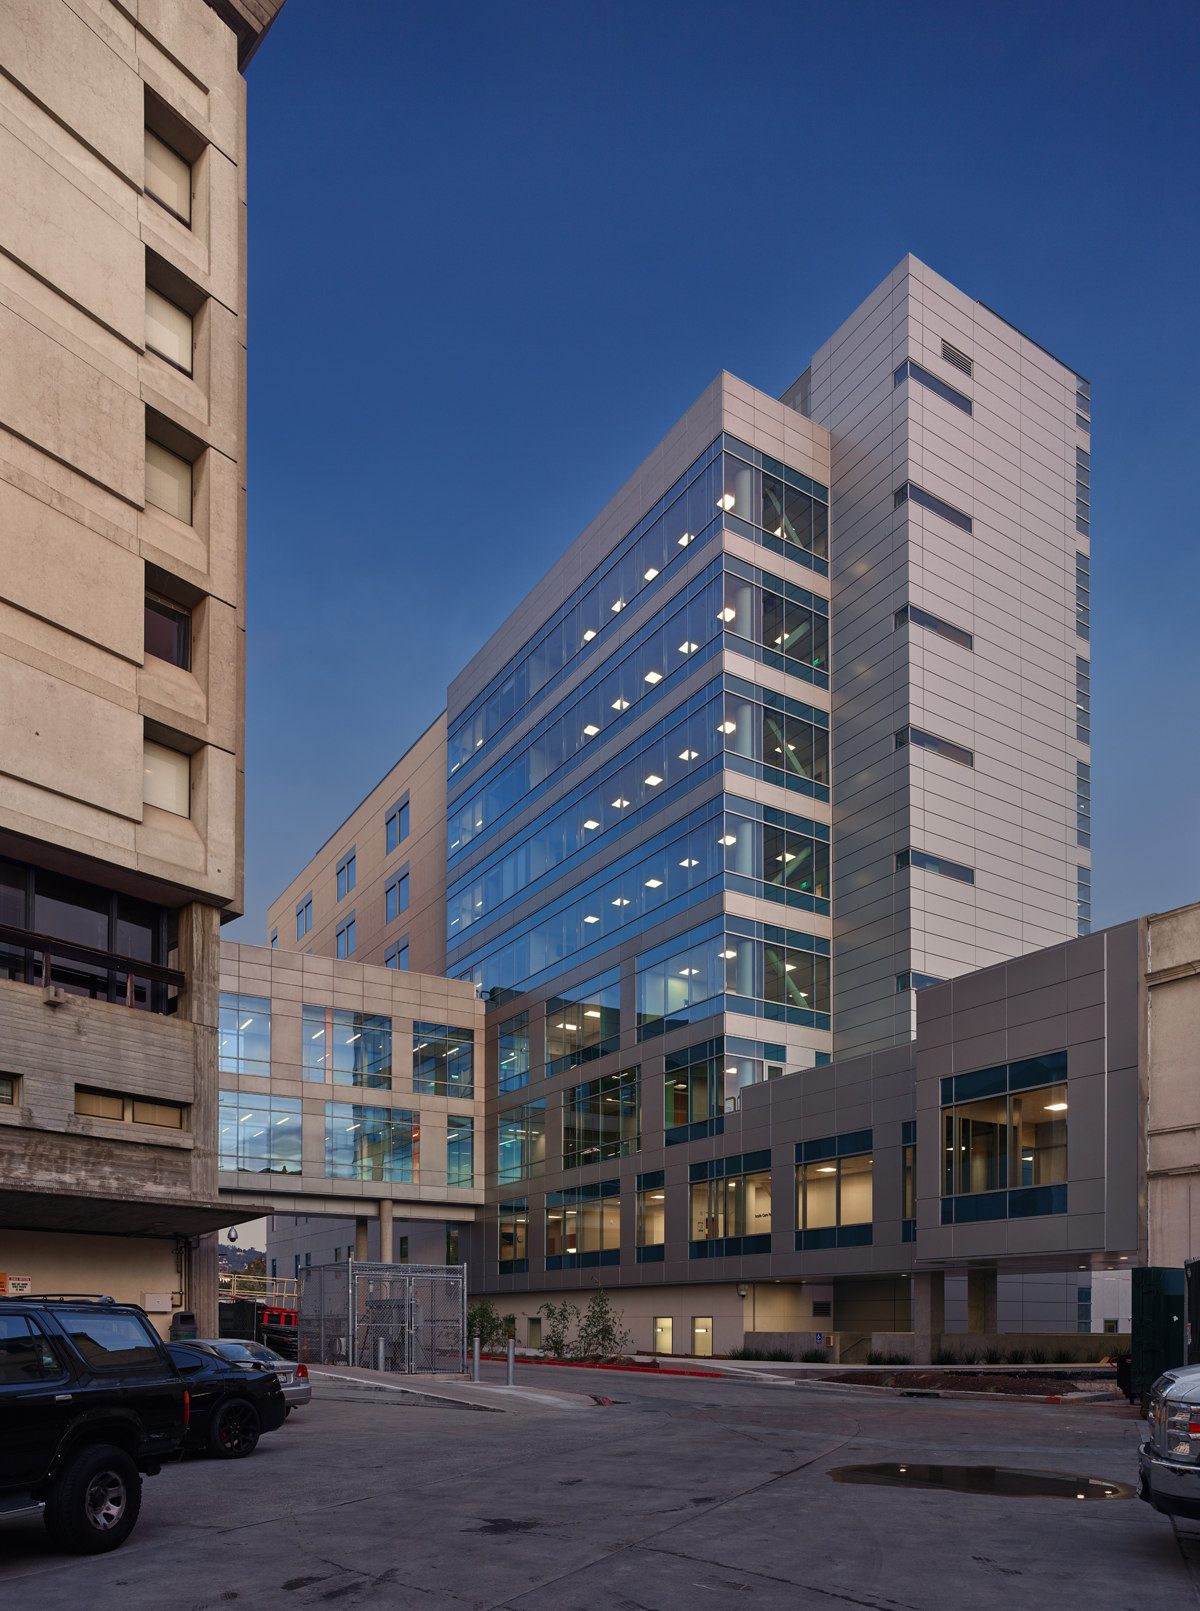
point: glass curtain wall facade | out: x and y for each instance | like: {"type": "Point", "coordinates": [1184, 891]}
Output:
{"type": "Point", "coordinates": [638, 844]}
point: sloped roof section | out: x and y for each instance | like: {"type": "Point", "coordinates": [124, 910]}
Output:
{"type": "Point", "coordinates": [249, 20]}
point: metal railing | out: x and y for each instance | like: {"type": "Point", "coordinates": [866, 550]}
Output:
{"type": "Point", "coordinates": [278, 1291]}
{"type": "Point", "coordinates": [115, 978]}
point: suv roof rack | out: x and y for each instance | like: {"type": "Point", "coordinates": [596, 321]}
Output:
{"type": "Point", "coordinates": [64, 1297]}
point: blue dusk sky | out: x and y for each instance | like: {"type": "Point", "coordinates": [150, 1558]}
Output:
{"type": "Point", "coordinates": [497, 251]}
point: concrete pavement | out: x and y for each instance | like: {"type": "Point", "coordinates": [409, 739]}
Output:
{"type": "Point", "coordinates": [683, 1492]}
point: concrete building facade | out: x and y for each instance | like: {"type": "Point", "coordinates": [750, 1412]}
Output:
{"type": "Point", "coordinates": [122, 603]}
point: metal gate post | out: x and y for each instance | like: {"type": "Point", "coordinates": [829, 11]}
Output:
{"type": "Point", "coordinates": [351, 1315]}
{"type": "Point", "coordinates": [381, 1353]}
{"type": "Point", "coordinates": [474, 1359]}
{"type": "Point", "coordinates": [409, 1313]}
{"type": "Point", "coordinates": [511, 1374]}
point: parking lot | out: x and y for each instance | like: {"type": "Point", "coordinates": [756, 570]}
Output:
{"type": "Point", "coordinates": [683, 1492]}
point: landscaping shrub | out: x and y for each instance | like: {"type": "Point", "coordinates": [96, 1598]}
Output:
{"type": "Point", "coordinates": [897, 1359]}
{"type": "Point", "coordinates": [601, 1334]}
{"type": "Point", "coordinates": [483, 1322]}
{"type": "Point", "coordinates": [815, 1356]}
{"type": "Point", "coordinates": [747, 1353]}
{"type": "Point", "coordinates": [1037, 1356]}
{"type": "Point", "coordinates": [993, 1356]}
{"type": "Point", "coordinates": [1016, 1356]}
{"type": "Point", "coordinates": [945, 1356]}
{"type": "Point", "coordinates": [779, 1353]}
{"type": "Point", "coordinates": [875, 1357]}
{"type": "Point", "coordinates": [560, 1319]}
{"type": "Point", "coordinates": [1061, 1356]}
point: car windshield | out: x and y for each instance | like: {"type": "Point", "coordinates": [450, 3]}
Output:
{"type": "Point", "coordinates": [109, 1341]}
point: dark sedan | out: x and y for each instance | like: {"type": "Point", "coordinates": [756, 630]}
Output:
{"type": "Point", "coordinates": [234, 1400]}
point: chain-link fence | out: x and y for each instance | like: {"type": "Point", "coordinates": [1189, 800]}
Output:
{"type": "Point", "coordinates": [410, 1318]}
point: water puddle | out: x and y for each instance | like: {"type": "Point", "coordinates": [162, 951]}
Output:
{"type": "Point", "coordinates": [1000, 1482]}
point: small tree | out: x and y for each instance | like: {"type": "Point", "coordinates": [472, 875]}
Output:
{"type": "Point", "coordinates": [483, 1322]}
{"type": "Point", "coordinates": [601, 1334]}
{"type": "Point", "coordinates": [560, 1318]}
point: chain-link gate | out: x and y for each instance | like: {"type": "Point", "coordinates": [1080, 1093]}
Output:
{"type": "Point", "coordinates": [410, 1318]}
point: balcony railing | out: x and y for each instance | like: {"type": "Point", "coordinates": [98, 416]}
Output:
{"type": "Point", "coordinates": [41, 959]}
{"type": "Point", "coordinates": [276, 1291]}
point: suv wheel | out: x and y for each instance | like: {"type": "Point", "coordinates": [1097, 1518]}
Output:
{"type": "Point", "coordinates": [94, 1502]}
{"type": "Point", "coordinates": [234, 1431]}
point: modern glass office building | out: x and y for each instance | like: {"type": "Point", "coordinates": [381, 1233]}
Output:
{"type": "Point", "coordinates": [795, 728]}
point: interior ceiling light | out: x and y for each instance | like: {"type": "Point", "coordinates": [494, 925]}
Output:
{"type": "Point", "coordinates": [591, 920]}
{"type": "Point", "coordinates": [728, 954]}
{"type": "Point", "coordinates": [687, 647]}
{"type": "Point", "coordinates": [620, 804]}
{"type": "Point", "coordinates": [689, 862]}
{"type": "Point", "coordinates": [689, 755]}
{"type": "Point", "coordinates": [591, 730]}
{"type": "Point", "coordinates": [588, 635]}
{"type": "Point", "coordinates": [652, 677]}
{"type": "Point", "coordinates": [654, 883]}
{"type": "Point", "coordinates": [591, 823]}
{"type": "Point", "coordinates": [620, 704]}
{"type": "Point", "coordinates": [729, 839]}
{"type": "Point", "coordinates": [685, 539]}
{"type": "Point", "coordinates": [726, 501]}
{"type": "Point", "coordinates": [653, 780]}
{"type": "Point", "coordinates": [620, 901]}
{"type": "Point", "coordinates": [1056, 1107]}
{"type": "Point", "coordinates": [729, 727]}
{"type": "Point", "coordinates": [727, 614]}
{"type": "Point", "coordinates": [592, 1012]}
{"type": "Point", "coordinates": [650, 574]}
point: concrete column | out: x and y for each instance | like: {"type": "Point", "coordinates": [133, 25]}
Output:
{"type": "Point", "coordinates": [201, 1296]}
{"type": "Point", "coordinates": [981, 1301]}
{"type": "Point", "coordinates": [386, 1251]}
{"type": "Point", "coordinates": [360, 1239]}
{"type": "Point", "coordinates": [929, 1314]}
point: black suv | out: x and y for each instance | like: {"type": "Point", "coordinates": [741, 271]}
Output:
{"type": "Point", "coordinates": [90, 1400]}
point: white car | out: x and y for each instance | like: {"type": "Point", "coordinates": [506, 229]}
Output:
{"type": "Point", "coordinates": [293, 1378]}
{"type": "Point", "coordinates": [1169, 1460]}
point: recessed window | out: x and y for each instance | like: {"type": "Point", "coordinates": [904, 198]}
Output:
{"type": "Point", "coordinates": [915, 981]}
{"type": "Point", "coordinates": [911, 614]}
{"type": "Point", "coordinates": [939, 746]}
{"type": "Point", "coordinates": [1083, 597]}
{"type": "Point", "coordinates": [397, 957]}
{"type": "Point", "coordinates": [396, 898]}
{"type": "Point", "coordinates": [397, 826]}
{"type": "Point", "coordinates": [936, 506]}
{"type": "Point", "coordinates": [911, 371]}
{"type": "Point", "coordinates": [303, 917]}
{"type": "Point", "coordinates": [1083, 804]}
{"type": "Point", "coordinates": [168, 633]}
{"type": "Point", "coordinates": [8, 1090]}
{"type": "Point", "coordinates": [166, 779]}
{"type": "Point", "coordinates": [345, 875]}
{"type": "Point", "coordinates": [345, 939]}
{"type": "Point", "coordinates": [1083, 700]}
{"type": "Point", "coordinates": [168, 330]}
{"type": "Point", "coordinates": [128, 1109]}
{"type": "Point", "coordinates": [934, 864]}
{"type": "Point", "coordinates": [168, 482]}
{"type": "Point", "coordinates": [168, 179]}
{"type": "Point", "coordinates": [274, 939]}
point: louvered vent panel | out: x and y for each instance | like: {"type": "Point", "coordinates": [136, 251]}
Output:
{"type": "Point", "coordinates": [958, 359]}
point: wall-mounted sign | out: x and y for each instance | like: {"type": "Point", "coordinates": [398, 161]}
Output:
{"type": "Point", "coordinates": [15, 1286]}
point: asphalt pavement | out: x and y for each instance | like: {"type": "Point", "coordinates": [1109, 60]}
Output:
{"type": "Point", "coordinates": [681, 1492]}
